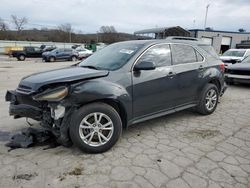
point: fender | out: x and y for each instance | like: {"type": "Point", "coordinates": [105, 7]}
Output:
{"type": "Point", "coordinates": [212, 74]}
{"type": "Point", "coordinates": [95, 90]}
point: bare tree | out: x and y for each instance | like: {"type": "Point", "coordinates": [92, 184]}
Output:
{"type": "Point", "coordinates": [3, 26]}
{"type": "Point", "coordinates": [66, 28]}
{"type": "Point", "coordinates": [108, 29]}
{"type": "Point", "coordinates": [19, 22]}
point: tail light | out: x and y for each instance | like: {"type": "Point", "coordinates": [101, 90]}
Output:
{"type": "Point", "coordinates": [222, 67]}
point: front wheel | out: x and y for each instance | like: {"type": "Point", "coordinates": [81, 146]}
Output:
{"type": "Point", "coordinates": [52, 59]}
{"type": "Point", "coordinates": [208, 100]}
{"type": "Point", "coordinates": [95, 128]}
{"type": "Point", "coordinates": [21, 58]}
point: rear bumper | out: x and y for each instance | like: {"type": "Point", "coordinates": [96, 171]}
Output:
{"type": "Point", "coordinates": [223, 89]}
{"type": "Point", "coordinates": [22, 110]}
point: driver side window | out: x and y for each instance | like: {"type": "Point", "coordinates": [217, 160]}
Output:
{"type": "Point", "coordinates": [159, 54]}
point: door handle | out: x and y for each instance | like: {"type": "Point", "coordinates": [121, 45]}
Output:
{"type": "Point", "coordinates": [171, 74]}
{"type": "Point", "coordinates": [201, 68]}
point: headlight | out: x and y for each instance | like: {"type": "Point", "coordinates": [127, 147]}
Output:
{"type": "Point", "coordinates": [52, 94]}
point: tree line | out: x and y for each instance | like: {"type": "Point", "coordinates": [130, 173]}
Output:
{"type": "Point", "coordinates": [61, 33]}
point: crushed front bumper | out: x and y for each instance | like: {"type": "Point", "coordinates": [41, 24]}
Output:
{"type": "Point", "coordinates": [22, 110]}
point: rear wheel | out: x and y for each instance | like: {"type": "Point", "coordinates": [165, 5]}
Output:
{"type": "Point", "coordinates": [73, 58]}
{"type": "Point", "coordinates": [208, 100]}
{"type": "Point", "coordinates": [21, 57]}
{"type": "Point", "coordinates": [95, 128]}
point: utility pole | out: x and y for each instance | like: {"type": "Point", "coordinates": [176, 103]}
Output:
{"type": "Point", "coordinates": [205, 24]}
{"type": "Point", "coordinates": [70, 36]}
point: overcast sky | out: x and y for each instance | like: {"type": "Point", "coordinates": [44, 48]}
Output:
{"type": "Point", "coordinates": [130, 15]}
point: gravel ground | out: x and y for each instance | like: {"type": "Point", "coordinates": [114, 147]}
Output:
{"type": "Point", "coordinates": [177, 151]}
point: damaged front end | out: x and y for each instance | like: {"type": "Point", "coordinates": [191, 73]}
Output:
{"type": "Point", "coordinates": [50, 107]}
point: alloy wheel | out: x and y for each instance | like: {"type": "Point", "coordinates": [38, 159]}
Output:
{"type": "Point", "coordinates": [96, 129]}
{"type": "Point", "coordinates": [211, 99]}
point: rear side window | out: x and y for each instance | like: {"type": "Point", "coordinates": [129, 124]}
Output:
{"type": "Point", "coordinates": [210, 50]}
{"type": "Point", "coordinates": [183, 54]}
{"type": "Point", "coordinates": [199, 57]}
{"type": "Point", "coordinates": [159, 54]}
{"type": "Point", "coordinates": [67, 50]}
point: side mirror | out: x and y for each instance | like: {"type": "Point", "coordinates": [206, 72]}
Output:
{"type": "Point", "coordinates": [145, 65]}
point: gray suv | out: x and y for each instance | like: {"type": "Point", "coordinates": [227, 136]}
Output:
{"type": "Point", "coordinates": [60, 54]}
{"type": "Point", "coordinates": [125, 83]}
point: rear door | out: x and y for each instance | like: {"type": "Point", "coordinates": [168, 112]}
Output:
{"type": "Point", "coordinates": [188, 66]}
{"type": "Point", "coordinates": [154, 90]}
{"type": "Point", "coordinates": [60, 54]}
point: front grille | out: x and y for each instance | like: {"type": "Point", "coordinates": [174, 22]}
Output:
{"type": "Point", "coordinates": [229, 61]}
{"type": "Point", "coordinates": [239, 72]}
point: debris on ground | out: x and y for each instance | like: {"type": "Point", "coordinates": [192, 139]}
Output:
{"type": "Point", "coordinates": [4, 136]}
{"type": "Point", "coordinates": [204, 134]}
{"type": "Point", "coordinates": [25, 176]}
{"type": "Point", "coordinates": [32, 137]}
{"type": "Point", "coordinates": [77, 171]}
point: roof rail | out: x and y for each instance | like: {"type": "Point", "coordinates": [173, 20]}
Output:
{"type": "Point", "coordinates": [182, 38]}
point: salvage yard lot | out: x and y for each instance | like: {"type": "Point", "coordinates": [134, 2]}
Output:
{"type": "Point", "coordinates": [180, 150]}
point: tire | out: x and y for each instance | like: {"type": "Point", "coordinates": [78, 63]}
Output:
{"type": "Point", "coordinates": [21, 58]}
{"type": "Point", "coordinates": [230, 82]}
{"type": "Point", "coordinates": [207, 104]}
{"type": "Point", "coordinates": [73, 58]}
{"type": "Point", "coordinates": [52, 59]}
{"type": "Point", "coordinates": [88, 136]}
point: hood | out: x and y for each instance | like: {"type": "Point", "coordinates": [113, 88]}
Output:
{"type": "Point", "coordinates": [69, 74]}
{"type": "Point", "coordinates": [228, 58]}
{"type": "Point", "coordinates": [240, 66]}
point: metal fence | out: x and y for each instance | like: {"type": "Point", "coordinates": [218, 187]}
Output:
{"type": "Point", "coordinates": [11, 43]}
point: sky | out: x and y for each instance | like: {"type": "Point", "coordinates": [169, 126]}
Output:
{"type": "Point", "coordinates": [128, 16]}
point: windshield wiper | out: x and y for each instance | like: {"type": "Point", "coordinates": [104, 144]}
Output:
{"type": "Point", "coordinates": [90, 67]}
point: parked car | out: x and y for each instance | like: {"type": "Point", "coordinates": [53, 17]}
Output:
{"type": "Point", "coordinates": [28, 51]}
{"type": "Point", "coordinates": [60, 54]}
{"type": "Point", "coordinates": [120, 85]}
{"type": "Point", "coordinates": [47, 48]}
{"type": "Point", "coordinates": [233, 56]}
{"type": "Point", "coordinates": [83, 52]}
{"type": "Point", "coordinates": [238, 73]}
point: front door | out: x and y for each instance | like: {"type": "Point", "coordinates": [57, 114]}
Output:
{"type": "Point", "coordinates": [154, 90]}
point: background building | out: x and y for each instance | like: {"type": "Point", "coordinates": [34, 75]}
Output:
{"type": "Point", "coordinates": [222, 40]}
{"type": "Point", "coordinates": [162, 33]}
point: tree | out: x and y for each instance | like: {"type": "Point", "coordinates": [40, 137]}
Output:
{"type": "Point", "coordinates": [108, 29]}
{"type": "Point", "coordinates": [242, 30]}
{"type": "Point", "coordinates": [66, 28]}
{"type": "Point", "coordinates": [19, 22]}
{"type": "Point", "coordinates": [3, 26]}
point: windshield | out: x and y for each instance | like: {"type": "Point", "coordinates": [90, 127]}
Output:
{"type": "Point", "coordinates": [236, 53]}
{"type": "Point", "coordinates": [112, 57]}
{"type": "Point", "coordinates": [246, 60]}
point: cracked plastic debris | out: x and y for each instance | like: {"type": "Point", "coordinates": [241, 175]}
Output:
{"type": "Point", "coordinates": [31, 137]}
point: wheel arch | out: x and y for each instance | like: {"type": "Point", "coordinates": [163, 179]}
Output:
{"type": "Point", "coordinates": [118, 106]}
{"type": "Point", "coordinates": [216, 82]}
